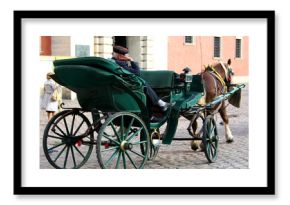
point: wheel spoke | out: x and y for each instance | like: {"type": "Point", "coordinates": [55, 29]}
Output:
{"type": "Point", "coordinates": [109, 138]}
{"type": "Point", "coordinates": [66, 127]}
{"type": "Point", "coordinates": [129, 127]}
{"type": "Point", "coordinates": [73, 156]}
{"type": "Point", "coordinates": [62, 136]}
{"type": "Point", "coordinates": [79, 151]}
{"type": "Point", "coordinates": [59, 130]}
{"type": "Point", "coordinates": [116, 133]}
{"type": "Point", "coordinates": [106, 134]}
{"type": "Point", "coordinates": [211, 152]}
{"type": "Point", "coordinates": [72, 124]}
{"type": "Point", "coordinates": [213, 146]}
{"type": "Point", "coordinates": [140, 142]}
{"type": "Point", "coordinates": [209, 125]}
{"type": "Point", "coordinates": [118, 161]}
{"type": "Point", "coordinates": [59, 153]}
{"type": "Point", "coordinates": [65, 160]}
{"type": "Point", "coordinates": [140, 155]}
{"type": "Point", "coordinates": [122, 127]}
{"type": "Point", "coordinates": [134, 134]}
{"type": "Point", "coordinates": [130, 159]}
{"type": "Point", "coordinates": [76, 131]}
{"type": "Point", "coordinates": [55, 137]}
{"type": "Point", "coordinates": [211, 132]}
{"type": "Point", "coordinates": [56, 146]}
{"type": "Point", "coordinates": [124, 160]}
{"type": "Point", "coordinates": [208, 149]}
{"type": "Point", "coordinates": [111, 158]}
{"type": "Point", "coordinates": [112, 148]}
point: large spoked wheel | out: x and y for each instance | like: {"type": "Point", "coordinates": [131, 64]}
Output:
{"type": "Point", "coordinates": [210, 139]}
{"type": "Point", "coordinates": [67, 140]}
{"type": "Point", "coordinates": [119, 141]}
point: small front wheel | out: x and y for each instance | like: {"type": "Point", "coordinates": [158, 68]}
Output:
{"type": "Point", "coordinates": [67, 142]}
{"type": "Point", "coordinates": [119, 141]}
{"type": "Point", "coordinates": [210, 139]}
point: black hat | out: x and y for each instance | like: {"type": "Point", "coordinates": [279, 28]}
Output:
{"type": "Point", "coordinates": [120, 49]}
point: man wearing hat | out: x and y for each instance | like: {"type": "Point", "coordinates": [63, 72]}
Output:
{"type": "Point", "coordinates": [121, 57]}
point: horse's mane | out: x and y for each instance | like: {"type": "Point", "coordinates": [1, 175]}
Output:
{"type": "Point", "coordinates": [216, 65]}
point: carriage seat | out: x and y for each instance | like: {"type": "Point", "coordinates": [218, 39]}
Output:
{"type": "Point", "coordinates": [158, 78]}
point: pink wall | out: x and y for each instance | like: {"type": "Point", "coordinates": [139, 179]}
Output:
{"type": "Point", "coordinates": [45, 45]}
{"type": "Point", "coordinates": [195, 56]}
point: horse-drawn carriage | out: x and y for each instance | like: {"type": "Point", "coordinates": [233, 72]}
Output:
{"type": "Point", "coordinates": [115, 114]}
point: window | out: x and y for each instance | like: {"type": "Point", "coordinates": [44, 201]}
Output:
{"type": "Point", "coordinates": [217, 47]}
{"type": "Point", "coordinates": [238, 48]}
{"type": "Point", "coordinates": [189, 40]}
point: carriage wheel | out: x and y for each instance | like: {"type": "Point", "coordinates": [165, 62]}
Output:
{"type": "Point", "coordinates": [210, 139]}
{"type": "Point", "coordinates": [67, 144]}
{"type": "Point", "coordinates": [119, 141]}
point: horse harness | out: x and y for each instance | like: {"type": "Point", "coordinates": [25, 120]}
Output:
{"type": "Point", "coordinates": [216, 76]}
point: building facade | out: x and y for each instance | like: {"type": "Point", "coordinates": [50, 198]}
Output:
{"type": "Point", "coordinates": [152, 52]}
{"type": "Point", "coordinates": [196, 52]}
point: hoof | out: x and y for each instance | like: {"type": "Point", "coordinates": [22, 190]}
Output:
{"type": "Point", "coordinates": [230, 141]}
{"type": "Point", "coordinates": [194, 146]}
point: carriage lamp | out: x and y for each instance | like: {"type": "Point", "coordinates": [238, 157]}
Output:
{"type": "Point", "coordinates": [186, 78]}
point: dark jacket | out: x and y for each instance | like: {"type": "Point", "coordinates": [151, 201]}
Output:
{"type": "Point", "coordinates": [131, 66]}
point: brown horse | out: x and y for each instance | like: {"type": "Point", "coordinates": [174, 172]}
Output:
{"type": "Point", "coordinates": [216, 79]}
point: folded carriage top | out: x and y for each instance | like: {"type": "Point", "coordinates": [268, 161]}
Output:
{"type": "Point", "coordinates": [99, 83]}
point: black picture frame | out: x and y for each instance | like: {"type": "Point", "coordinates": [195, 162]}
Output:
{"type": "Point", "coordinates": [19, 189]}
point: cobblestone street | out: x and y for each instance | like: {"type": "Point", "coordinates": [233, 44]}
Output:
{"type": "Point", "coordinates": [179, 155]}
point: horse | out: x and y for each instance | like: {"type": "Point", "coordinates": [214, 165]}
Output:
{"type": "Point", "coordinates": [216, 80]}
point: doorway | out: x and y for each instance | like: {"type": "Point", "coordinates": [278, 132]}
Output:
{"type": "Point", "coordinates": [120, 41]}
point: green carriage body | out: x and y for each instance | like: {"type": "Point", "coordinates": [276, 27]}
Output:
{"type": "Point", "coordinates": [103, 85]}
{"type": "Point", "coordinates": [116, 95]}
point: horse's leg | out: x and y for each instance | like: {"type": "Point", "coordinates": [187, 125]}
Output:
{"type": "Point", "coordinates": [192, 129]}
{"type": "Point", "coordinates": [228, 133]}
{"type": "Point", "coordinates": [194, 144]}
